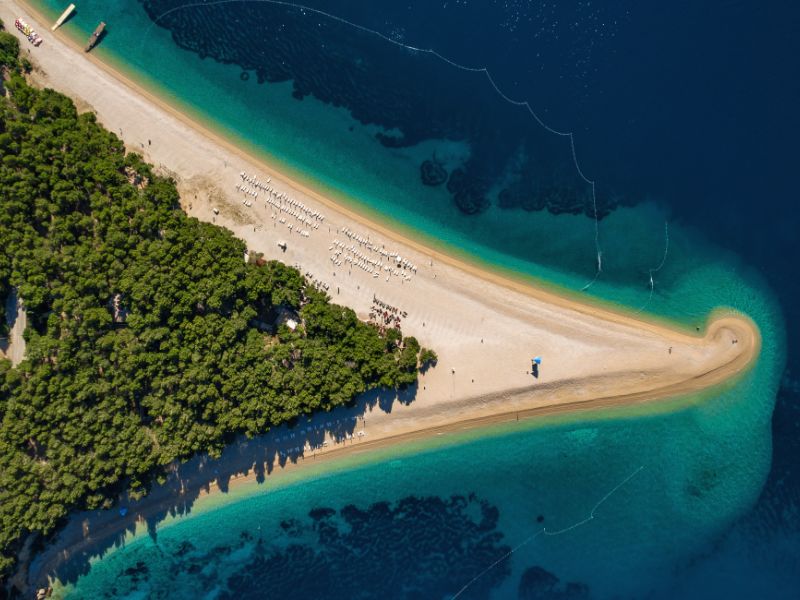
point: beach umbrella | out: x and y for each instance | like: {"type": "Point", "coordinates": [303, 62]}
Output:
{"type": "Point", "coordinates": [537, 360]}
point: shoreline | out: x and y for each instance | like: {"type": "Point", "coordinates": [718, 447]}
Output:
{"type": "Point", "coordinates": [579, 334]}
{"type": "Point", "coordinates": [164, 500]}
{"type": "Point", "coordinates": [463, 260]}
{"type": "Point", "coordinates": [84, 540]}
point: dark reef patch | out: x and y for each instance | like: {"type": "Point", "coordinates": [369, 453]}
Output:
{"type": "Point", "coordinates": [137, 571]}
{"type": "Point", "coordinates": [468, 192]}
{"type": "Point", "coordinates": [432, 173]}
{"type": "Point", "coordinates": [416, 548]}
{"type": "Point", "coordinates": [410, 94]}
{"type": "Point", "coordinates": [538, 584]}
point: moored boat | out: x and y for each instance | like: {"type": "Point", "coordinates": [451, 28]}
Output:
{"type": "Point", "coordinates": [95, 37]}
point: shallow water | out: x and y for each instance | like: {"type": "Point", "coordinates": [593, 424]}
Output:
{"type": "Point", "coordinates": [660, 489]}
{"type": "Point", "coordinates": [695, 470]}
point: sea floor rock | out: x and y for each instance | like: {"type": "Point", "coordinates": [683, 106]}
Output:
{"type": "Point", "coordinates": [432, 173]}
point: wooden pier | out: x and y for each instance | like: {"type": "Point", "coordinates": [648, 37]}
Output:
{"type": "Point", "coordinates": [63, 17]}
{"type": "Point", "coordinates": [95, 37]}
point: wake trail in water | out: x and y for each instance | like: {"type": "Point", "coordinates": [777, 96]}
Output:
{"type": "Point", "coordinates": [543, 531]}
{"type": "Point", "coordinates": [482, 70]}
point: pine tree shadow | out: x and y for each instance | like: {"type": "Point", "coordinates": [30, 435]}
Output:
{"type": "Point", "coordinates": [88, 535]}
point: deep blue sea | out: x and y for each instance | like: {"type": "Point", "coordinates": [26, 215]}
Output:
{"type": "Point", "coordinates": [658, 142]}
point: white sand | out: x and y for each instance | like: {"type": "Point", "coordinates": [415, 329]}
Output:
{"type": "Point", "coordinates": [484, 328]}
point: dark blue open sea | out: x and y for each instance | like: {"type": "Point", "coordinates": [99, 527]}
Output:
{"type": "Point", "coordinates": [640, 153]}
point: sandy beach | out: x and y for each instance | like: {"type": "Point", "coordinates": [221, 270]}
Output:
{"type": "Point", "coordinates": [484, 327]}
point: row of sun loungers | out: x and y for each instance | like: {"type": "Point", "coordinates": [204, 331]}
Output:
{"type": "Point", "coordinates": [389, 255]}
{"type": "Point", "coordinates": [308, 446]}
{"type": "Point", "coordinates": [370, 265]}
{"type": "Point", "coordinates": [294, 206]}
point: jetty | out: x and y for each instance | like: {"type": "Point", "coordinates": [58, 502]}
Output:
{"type": "Point", "coordinates": [95, 37]}
{"type": "Point", "coordinates": [64, 16]}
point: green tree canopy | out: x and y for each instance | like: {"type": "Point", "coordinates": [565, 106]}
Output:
{"type": "Point", "coordinates": [141, 345]}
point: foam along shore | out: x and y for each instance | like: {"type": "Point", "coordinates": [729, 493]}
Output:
{"type": "Point", "coordinates": [484, 327]}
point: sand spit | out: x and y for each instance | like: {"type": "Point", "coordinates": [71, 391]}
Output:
{"type": "Point", "coordinates": [484, 327]}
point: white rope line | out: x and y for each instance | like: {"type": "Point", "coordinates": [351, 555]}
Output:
{"type": "Point", "coordinates": [650, 272]}
{"type": "Point", "coordinates": [495, 563]}
{"type": "Point", "coordinates": [484, 70]}
{"type": "Point", "coordinates": [544, 531]}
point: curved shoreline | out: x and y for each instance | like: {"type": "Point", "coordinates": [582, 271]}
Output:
{"type": "Point", "coordinates": [524, 284]}
{"type": "Point", "coordinates": [726, 348]}
{"type": "Point", "coordinates": [591, 306]}
{"type": "Point", "coordinates": [80, 540]}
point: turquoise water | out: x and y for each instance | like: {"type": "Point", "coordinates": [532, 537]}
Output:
{"type": "Point", "coordinates": [684, 477]}
{"type": "Point", "coordinates": [677, 478]}
{"type": "Point", "coordinates": [343, 155]}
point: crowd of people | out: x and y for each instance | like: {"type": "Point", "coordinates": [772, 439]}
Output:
{"type": "Point", "coordinates": [385, 314]}
{"type": "Point", "coordinates": [361, 252]}
{"type": "Point", "coordinates": [357, 250]}
{"type": "Point", "coordinates": [320, 285]}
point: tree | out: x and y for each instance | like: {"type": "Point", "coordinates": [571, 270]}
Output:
{"type": "Point", "coordinates": [9, 49]}
{"type": "Point", "coordinates": [427, 358]}
{"type": "Point", "coordinates": [103, 402]}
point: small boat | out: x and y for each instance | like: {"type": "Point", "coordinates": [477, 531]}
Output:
{"type": "Point", "coordinates": [95, 37]}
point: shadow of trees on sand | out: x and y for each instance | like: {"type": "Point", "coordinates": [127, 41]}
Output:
{"type": "Point", "coordinates": [89, 534]}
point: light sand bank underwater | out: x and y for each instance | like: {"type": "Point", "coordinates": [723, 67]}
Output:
{"type": "Point", "coordinates": [481, 324]}
{"type": "Point", "coordinates": [466, 313]}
